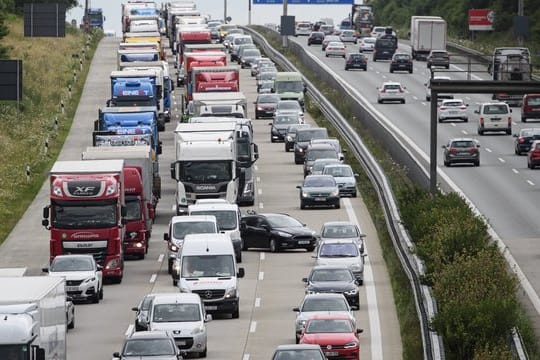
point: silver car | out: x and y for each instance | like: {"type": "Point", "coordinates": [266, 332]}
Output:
{"type": "Point", "coordinates": [341, 252]}
{"type": "Point", "coordinates": [319, 164]}
{"type": "Point", "coordinates": [345, 178]}
{"type": "Point", "coordinates": [146, 345]}
{"type": "Point", "coordinates": [333, 230]}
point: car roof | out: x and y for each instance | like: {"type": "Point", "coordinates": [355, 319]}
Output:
{"type": "Point", "coordinates": [339, 165]}
{"type": "Point", "coordinates": [177, 298]}
{"type": "Point", "coordinates": [318, 177]}
{"type": "Point", "coordinates": [451, 100]}
{"type": "Point", "coordinates": [462, 139]}
{"type": "Point", "coordinates": [330, 267]}
{"type": "Point", "coordinates": [438, 77]}
{"type": "Point", "coordinates": [334, 160]}
{"type": "Point", "coordinates": [329, 317]}
{"type": "Point", "coordinates": [338, 223]}
{"type": "Point", "coordinates": [154, 334]}
{"type": "Point", "coordinates": [324, 296]}
{"type": "Point", "coordinates": [84, 256]}
{"type": "Point", "coordinates": [391, 83]}
{"type": "Point", "coordinates": [321, 146]}
{"type": "Point", "coordinates": [493, 103]}
{"type": "Point", "coordinates": [193, 218]}
{"type": "Point", "coordinates": [201, 207]}
{"type": "Point", "coordinates": [298, 347]}
{"type": "Point", "coordinates": [339, 241]}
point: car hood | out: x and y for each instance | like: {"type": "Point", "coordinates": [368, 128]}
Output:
{"type": "Point", "coordinates": [347, 261]}
{"type": "Point", "coordinates": [185, 327]}
{"type": "Point", "coordinates": [309, 314]}
{"type": "Point", "coordinates": [152, 357]}
{"type": "Point", "coordinates": [337, 286]}
{"type": "Point", "coordinates": [73, 275]}
{"type": "Point", "coordinates": [283, 127]}
{"type": "Point", "coordinates": [319, 189]}
{"type": "Point", "coordinates": [344, 179]}
{"type": "Point", "coordinates": [330, 338]}
{"type": "Point", "coordinates": [295, 231]}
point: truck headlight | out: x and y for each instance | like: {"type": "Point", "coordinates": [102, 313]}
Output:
{"type": "Point", "coordinates": [185, 289]}
{"type": "Point", "coordinates": [230, 293]}
{"type": "Point", "coordinates": [110, 189]}
{"type": "Point", "coordinates": [114, 263]}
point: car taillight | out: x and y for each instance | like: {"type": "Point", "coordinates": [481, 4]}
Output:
{"type": "Point", "coordinates": [463, 107]}
{"type": "Point", "coordinates": [521, 140]}
{"type": "Point", "coordinates": [383, 90]}
{"type": "Point", "coordinates": [482, 121]}
{"type": "Point", "coordinates": [400, 90]}
{"type": "Point", "coordinates": [509, 120]}
{"type": "Point", "coordinates": [452, 150]}
{"type": "Point", "coordinates": [442, 108]}
{"type": "Point", "coordinates": [474, 150]}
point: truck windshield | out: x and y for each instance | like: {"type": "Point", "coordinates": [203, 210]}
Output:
{"type": "Point", "coordinates": [133, 102]}
{"type": "Point", "coordinates": [15, 352]}
{"type": "Point", "coordinates": [288, 86]}
{"type": "Point", "coordinates": [208, 266]}
{"type": "Point", "coordinates": [133, 208]}
{"type": "Point", "coordinates": [226, 219]}
{"type": "Point", "coordinates": [205, 172]}
{"type": "Point", "coordinates": [83, 215]}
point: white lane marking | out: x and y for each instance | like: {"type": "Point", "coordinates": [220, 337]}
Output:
{"type": "Point", "coordinates": [371, 294]}
{"type": "Point", "coordinates": [259, 191]}
{"type": "Point", "coordinates": [256, 168]}
{"type": "Point", "coordinates": [261, 275]}
{"type": "Point", "coordinates": [515, 171]}
{"type": "Point", "coordinates": [415, 98]}
{"type": "Point", "coordinates": [258, 302]}
{"type": "Point", "coordinates": [129, 330]}
{"type": "Point", "coordinates": [253, 327]}
{"type": "Point", "coordinates": [453, 124]}
{"type": "Point", "coordinates": [258, 179]}
{"type": "Point", "coordinates": [261, 206]}
{"type": "Point", "coordinates": [263, 256]}
{"type": "Point", "coordinates": [174, 208]}
{"type": "Point", "coordinates": [488, 150]}
{"type": "Point", "coordinates": [472, 75]}
{"type": "Point", "coordinates": [501, 160]}
{"type": "Point", "coordinates": [153, 278]}
{"type": "Point", "coordinates": [160, 257]}
{"type": "Point", "coordinates": [464, 132]}
{"type": "Point", "coordinates": [245, 357]}
{"type": "Point", "coordinates": [530, 182]}
{"type": "Point", "coordinates": [468, 98]}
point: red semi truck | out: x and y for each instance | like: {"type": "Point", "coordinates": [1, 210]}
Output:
{"type": "Point", "coordinates": [86, 212]}
{"type": "Point", "coordinates": [215, 79]}
{"type": "Point", "coordinates": [191, 37]}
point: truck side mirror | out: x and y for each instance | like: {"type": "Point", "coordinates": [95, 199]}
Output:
{"type": "Point", "coordinates": [173, 170]}
{"type": "Point", "coordinates": [108, 103]}
{"type": "Point", "coordinates": [46, 212]}
{"type": "Point", "coordinates": [96, 125]}
{"type": "Point", "coordinates": [241, 273]}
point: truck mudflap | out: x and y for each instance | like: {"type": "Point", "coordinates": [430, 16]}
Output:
{"type": "Point", "coordinates": [161, 122]}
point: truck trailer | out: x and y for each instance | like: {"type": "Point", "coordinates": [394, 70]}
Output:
{"type": "Point", "coordinates": [427, 33]}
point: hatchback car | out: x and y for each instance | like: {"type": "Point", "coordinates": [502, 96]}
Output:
{"type": "Point", "coordinates": [333, 279]}
{"type": "Point", "coordinates": [377, 31]}
{"type": "Point", "coordinates": [318, 151]}
{"type": "Point", "coordinates": [260, 63]}
{"type": "Point", "coordinates": [494, 117]}
{"type": "Point", "coordinates": [303, 139]}
{"type": "Point", "coordinates": [530, 107]}
{"type": "Point", "coordinates": [84, 277]}
{"type": "Point", "coordinates": [356, 61]}
{"type": "Point", "coordinates": [341, 252]}
{"type": "Point", "coordinates": [319, 304]}
{"type": "Point", "coordinates": [288, 107]}
{"type": "Point", "coordinates": [319, 190]}
{"type": "Point", "coordinates": [366, 44]}
{"type": "Point", "coordinates": [265, 88]}
{"type": "Point", "coordinates": [290, 135]}
{"type": "Point", "coordinates": [334, 142]}
{"type": "Point", "coordinates": [337, 336]}
{"type": "Point", "coordinates": [327, 39]}
{"type": "Point", "coordinates": [335, 48]}
{"type": "Point", "coordinates": [298, 351]}
{"type": "Point", "coordinates": [453, 109]}
{"type": "Point", "coordinates": [462, 150]}
{"type": "Point", "coordinates": [335, 230]}
{"type": "Point", "coordinates": [439, 96]}
{"type": "Point", "coordinates": [281, 123]}
{"type": "Point", "coordinates": [248, 56]}
{"type": "Point", "coordinates": [391, 91]}
{"type": "Point", "coordinates": [347, 36]}
{"type": "Point", "coordinates": [277, 232]}
{"type": "Point", "coordinates": [345, 178]}
{"type": "Point", "coordinates": [316, 37]}
{"type": "Point", "coordinates": [401, 62]}
{"type": "Point", "coordinates": [533, 156]}
{"type": "Point", "coordinates": [524, 139]}
{"type": "Point", "coordinates": [438, 58]}
{"type": "Point", "coordinates": [319, 164]}
{"type": "Point", "coordinates": [265, 105]}
{"type": "Point", "coordinates": [146, 345]}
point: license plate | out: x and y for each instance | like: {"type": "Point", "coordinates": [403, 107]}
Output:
{"type": "Point", "coordinates": [320, 199]}
{"type": "Point", "coordinates": [331, 353]}
{"type": "Point", "coordinates": [303, 242]}
{"type": "Point", "coordinates": [72, 288]}
{"type": "Point", "coordinates": [495, 119]}
{"type": "Point", "coordinates": [463, 153]}
{"type": "Point", "coordinates": [181, 342]}
{"type": "Point", "coordinates": [453, 112]}
{"type": "Point", "coordinates": [210, 307]}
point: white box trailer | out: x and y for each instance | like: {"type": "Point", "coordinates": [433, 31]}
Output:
{"type": "Point", "coordinates": [427, 33]}
{"type": "Point", "coordinates": [33, 313]}
{"type": "Point", "coordinates": [202, 99]}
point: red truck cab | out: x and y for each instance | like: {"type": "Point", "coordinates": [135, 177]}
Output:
{"type": "Point", "coordinates": [136, 234]}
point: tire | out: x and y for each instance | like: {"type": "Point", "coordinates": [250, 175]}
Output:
{"type": "Point", "coordinates": [236, 313]}
{"type": "Point", "coordinates": [391, 71]}
{"type": "Point", "coordinates": [95, 298]}
{"type": "Point", "coordinates": [239, 257]}
{"type": "Point", "coordinates": [480, 132]}
{"type": "Point", "coordinates": [272, 139]}
{"type": "Point", "coordinates": [203, 354]}
{"type": "Point", "coordinates": [354, 194]}
{"type": "Point", "coordinates": [244, 246]}
{"type": "Point", "coordinates": [256, 116]}
{"type": "Point", "coordinates": [101, 293]}
{"type": "Point", "coordinates": [326, 55]}
{"type": "Point", "coordinates": [523, 119]}
{"type": "Point", "coordinates": [169, 267]}
{"type": "Point", "coordinates": [446, 163]}
{"type": "Point", "coordinates": [477, 163]}
{"type": "Point", "coordinates": [379, 101]}
{"type": "Point", "coordinates": [428, 98]}
{"type": "Point", "coordinates": [273, 246]}
{"type": "Point", "coordinates": [346, 68]}
{"type": "Point", "coordinates": [338, 205]}
{"type": "Point", "coordinates": [302, 205]}
{"type": "Point", "coordinates": [403, 101]}
{"type": "Point", "coordinates": [374, 59]}
{"type": "Point", "coordinates": [517, 152]}
{"type": "Point", "coordinates": [440, 120]}
{"type": "Point", "coordinates": [410, 71]}
{"type": "Point", "coordinates": [310, 248]}
{"type": "Point", "coordinates": [509, 132]}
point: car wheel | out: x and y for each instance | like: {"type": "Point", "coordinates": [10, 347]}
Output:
{"type": "Point", "coordinates": [338, 205]}
{"type": "Point", "coordinates": [326, 55]}
{"type": "Point", "coordinates": [403, 101]}
{"type": "Point", "coordinates": [101, 293]}
{"type": "Point", "coordinates": [297, 161]}
{"type": "Point", "coordinates": [344, 56]}
{"type": "Point", "coordinates": [410, 71]}
{"type": "Point", "coordinates": [256, 116]}
{"type": "Point", "coordinates": [466, 120]}
{"type": "Point", "coordinates": [310, 248]}
{"type": "Point", "coordinates": [286, 148]}
{"type": "Point", "coordinates": [374, 59]}
{"type": "Point", "coordinates": [428, 98]}
{"type": "Point", "coordinates": [509, 132]}
{"type": "Point", "coordinates": [446, 163]}
{"type": "Point", "coordinates": [523, 119]}
{"type": "Point", "coordinates": [272, 139]}
{"type": "Point", "coordinates": [477, 163]}
{"type": "Point", "coordinates": [203, 353]}
{"type": "Point", "coordinates": [354, 194]}
{"type": "Point", "coordinates": [440, 120]}
{"type": "Point", "coordinates": [71, 325]}
{"type": "Point", "coordinates": [447, 66]}
{"type": "Point", "coordinates": [391, 71]}
{"type": "Point", "coordinates": [302, 205]}
{"type": "Point", "coordinates": [297, 339]}
{"type": "Point", "coordinates": [169, 267]}
{"type": "Point", "coordinates": [346, 68]}
{"type": "Point", "coordinates": [95, 298]}
{"type": "Point", "coordinates": [480, 132]}
{"type": "Point", "coordinates": [236, 313]}
{"type": "Point", "coordinates": [273, 245]}
{"type": "Point", "coordinates": [379, 101]}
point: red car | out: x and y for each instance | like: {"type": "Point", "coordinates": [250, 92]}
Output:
{"type": "Point", "coordinates": [533, 156]}
{"type": "Point", "coordinates": [335, 334]}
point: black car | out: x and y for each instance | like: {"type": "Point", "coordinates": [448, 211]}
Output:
{"type": "Point", "coordinates": [315, 37]}
{"type": "Point", "coordinates": [438, 58]}
{"type": "Point", "coordinates": [319, 190]}
{"type": "Point", "coordinates": [356, 61]}
{"type": "Point", "coordinates": [280, 125]}
{"type": "Point", "coordinates": [524, 139]}
{"type": "Point", "coordinates": [275, 231]}
{"type": "Point", "coordinates": [337, 279]}
{"type": "Point", "coordinates": [385, 47]}
{"type": "Point", "coordinates": [265, 105]}
{"type": "Point", "coordinates": [461, 150]}
{"type": "Point", "coordinates": [290, 135]}
{"type": "Point", "coordinates": [302, 140]}
{"type": "Point", "coordinates": [401, 62]}
{"type": "Point", "coordinates": [141, 317]}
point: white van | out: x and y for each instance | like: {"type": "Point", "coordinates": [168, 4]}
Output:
{"type": "Point", "coordinates": [228, 219]}
{"type": "Point", "coordinates": [494, 116]}
{"type": "Point", "coordinates": [179, 227]}
{"type": "Point", "coordinates": [184, 316]}
{"type": "Point", "coordinates": [207, 267]}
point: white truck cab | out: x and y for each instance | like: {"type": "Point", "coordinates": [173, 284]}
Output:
{"type": "Point", "coordinates": [207, 267]}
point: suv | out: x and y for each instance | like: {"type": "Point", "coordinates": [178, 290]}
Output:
{"type": "Point", "coordinates": [438, 58]}
{"type": "Point", "coordinates": [494, 117]}
{"type": "Point", "coordinates": [355, 61]}
{"type": "Point", "coordinates": [462, 150]}
{"type": "Point", "coordinates": [302, 140]}
{"type": "Point", "coordinates": [401, 62]}
{"type": "Point", "coordinates": [530, 107]}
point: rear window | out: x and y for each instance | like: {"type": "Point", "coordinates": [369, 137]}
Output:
{"type": "Point", "coordinates": [463, 144]}
{"type": "Point", "coordinates": [533, 101]}
{"type": "Point", "coordinates": [307, 135]}
{"type": "Point", "coordinates": [495, 109]}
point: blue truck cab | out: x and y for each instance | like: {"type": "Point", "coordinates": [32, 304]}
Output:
{"type": "Point", "coordinates": [130, 121]}
{"type": "Point", "coordinates": [96, 18]}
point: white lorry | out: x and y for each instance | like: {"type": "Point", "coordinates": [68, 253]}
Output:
{"type": "Point", "coordinates": [205, 165]}
{"type": "Point", "coordinates": [427, 33]}
{"type": "Point", "coordinates": [33, 313]}
{"type": "Point", "coordinates": [232, 104]}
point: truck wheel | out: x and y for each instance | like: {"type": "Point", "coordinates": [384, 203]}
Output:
{"type": "Point", "coordinates": [175, 282]}
{"type": "Point", "coordinates": [236, 313]}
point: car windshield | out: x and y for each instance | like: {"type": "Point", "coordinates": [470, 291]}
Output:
{"type": "Point", "coordinates": [325, 304]}
{"type": "Point", "coordinates": [207, 266]}
{"type": "Point", "coordinates": [453, 103]}
{"type": "Point", "coordinates": [286, 119]}
{"type": "Point", "coordinates": [356, 56]}
{"type": "Point", "coordinates": [339, 231]}
{"type": "Point", "coordinates": [495, 109]}
{"type": "Point", "coordinates": [369, 40]}
{"type": "Point", "coordinates": [319, 154]}
{"type": "Point", "coordinates": [61, 264]}
{"type": "Point", "coordinates": [280, 221]}
{"type": "Point", "coordinates": [310, 354]}
{"type": "Point", "coordinates": [319, 182]}
{"type": "Point", "coordinates": [338, 171]}
{"type": "Point", "coordinates": [463, 144]}
{"type": "Point", "coordinates": [265, 99]}
{"type": "Point", "coordinates": [181, 229]}
{"type": "Point", "coordinates": [251, 53]}
{"type": "Point", "coordinates": [339, 250]}
{"type": "Point", "coordinates": [402, 57]}
{"type": "Point", "coordinates": [267, 76]}
{"type": "Point", "coordinates": [331, 275]}
{"type": "Point", "coordinates": [148, 347]}
{"type": "Point", "coordinates": [176, 313]}
{"type": "Point", "coordinates": [307, 135]}
{"type": "Point", "coordinates": [317, 326]}
{"type": "Point", "coordinates": [439, 54]}
{"type": "Point", "coordinates": [319, 165]}
{"type": "Point", "coordinates": [533, 101]}
{"type": "Point", "coordinates": [335, 44]}
{"type": "Point", "coordinates": [529, 132]}
{"type": "Point", "coordinates": [242, 40]}
{"type": "Point", "coordinates": [288, 105]}
{"type": "Point", "coordinates": [289, 86]}
{"type": "Point", "coordinates": [226, 219]}
{"type": "Point", "coordinates": [331, 38]}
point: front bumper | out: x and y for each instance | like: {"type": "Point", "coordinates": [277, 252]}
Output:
{"type": "Point", "coordinates": [328, 201]}
{"type": "Point", "coordinates": [225, 306]}
{"type": "Point", "coordinates": [191, 344]}
{"type": "Point", "coordinates": [81, 292]}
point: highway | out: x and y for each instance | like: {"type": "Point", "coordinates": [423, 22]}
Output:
{"type": "Point", "coordinates": [272, 285]}
{"type": "Point", "coordinates": [503, 189]}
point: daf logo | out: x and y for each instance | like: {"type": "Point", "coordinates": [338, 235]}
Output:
{"type": "Point", "coordinates": [208, 294]}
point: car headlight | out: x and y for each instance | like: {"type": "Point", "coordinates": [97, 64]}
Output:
{"type": "Point", "coordinates": [283, 234]}
{"type": "Point", "coordinates": [356, 267]}
{"type": "Point", "coordinates": [304, 194]}
{"type": "Point", "coordinates": [289, 139]}
{"type": "Point", "coordinates": [185, 289]}
{"type": "Point", "coordinates": [350, 345]}
{"type": "Point", "coordinates": [334, 193]}
{"type": "Point", "coordinates": [175, 247]}
{"type": "Point", "coordinates": [230, 293]}
{"type": "Point", "coordinates": [351, 292]}
{"type": "Point", "coordinates": [197, 330]}
{"type": "Point", "coordinates": [300, 323]}
{"type": "Point", "coordinates": [89, 280]}
{"type": "Point", "coordinates": [300, 150]}
{"type": "Point", "coordinates": [132, 234]}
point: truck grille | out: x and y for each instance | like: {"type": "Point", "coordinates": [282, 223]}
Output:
{"type": "Point", "coordinates": [210, 294]}
{"type": "Point", "coordinates": [98, 254]}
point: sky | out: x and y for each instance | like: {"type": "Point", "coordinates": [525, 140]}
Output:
{"type": "Point", "coordinates": [236, 9]}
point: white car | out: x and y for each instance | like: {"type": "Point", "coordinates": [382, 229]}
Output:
{"type": "Point", "coordinates": [453, 109]}
{"type": "Point", "coordinates": [377, 31]}
{"type": "Point", "coordinates": [391, 91]}
{"type": "Point", "coordinates": [335, 48]}
{"type": "Point", "coordinates": [366, 44]}
{"type": "Point", "coordinates": [347, 36]}
{"type": "Point", "coordinates": [440, 96]}
{"type": "Point", "coordinates": [494, 116]}
{"type": "Point", "coordinates": [303, 28]}
{"type": "Point", "coordinates": [84, 277]}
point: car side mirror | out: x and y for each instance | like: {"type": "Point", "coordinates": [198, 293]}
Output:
{"type": "Point", "coordinates": [304, 280]}
{"type": "Point", "coordinates": [116, 355]}
{"type": "Point", "coordinates": [476, 112]}
{"type": "Point", "coordinates": [356, 175]}
{"type": "Point", "coordinates": [270, 123]}
{"type": "Point", "coordinates": [298, 186]}
{"type": "Point", "coordinates": [272, 90]}
{"type": "Point", "coordinates": [166, 236]}
{"type": "Point", "coordinates": [515, 135]}
{"type": "Point", "coordinates": [359, 331]}
{"type": "Point", "coordinates": [45, 269]}
{"type": "Point", "coordinates": [134, 309]}
{"type": "Point", "coordinates": [444, 146]}
{"type": "Point", "coordinates": [208, 318]}
{"type": "Point", "coordinates": [241, 273]}
{"type": "Point", "coordinates": [99, 267]}
{"type": "Point", "coordinates": [296, 309]}
{"type": "Point", "coordinates": [510, 110]}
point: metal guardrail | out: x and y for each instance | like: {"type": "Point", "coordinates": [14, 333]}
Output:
{"type": "Point", "coordinates": [412, 265]}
